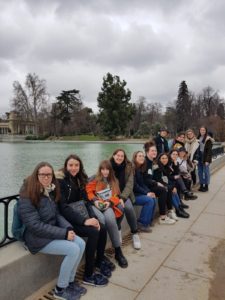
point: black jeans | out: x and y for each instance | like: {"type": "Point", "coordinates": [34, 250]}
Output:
{"type": "Point", "coordinates": [163, 199]}
{"type": "Point", "coordinates": [96, 243]}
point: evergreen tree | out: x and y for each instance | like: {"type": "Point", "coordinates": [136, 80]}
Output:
{"type": "Point", "coordinates": [115, 110]}
{"type": "Point", "coordinates": [183, 108]}
{"type": "Point", "coordinates": [67, 103]}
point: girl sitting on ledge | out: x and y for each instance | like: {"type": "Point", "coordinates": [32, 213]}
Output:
{"type": "Point", "coordinates": [46, 231]}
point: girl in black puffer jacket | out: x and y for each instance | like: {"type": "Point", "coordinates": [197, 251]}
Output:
{"type": "Point", "coordinates": [166, 175]}
{"type": "Point", "coordinates": [46, 231]}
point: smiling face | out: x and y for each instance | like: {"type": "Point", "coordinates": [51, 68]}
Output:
{"type": "Point", "coordinates": [190, 135]}
{"type": "Point", "coordinates": [164, 159]}
{"type": "Point", "coordinates": [174, 155]}
{"type": "Point", "coordinates": [152, 153]}
{"type": "Point", "coordinates": [119, 157]}
{"type": "Point", "coordinates": [181, 138]}
{"type": "Point", "coordinates": [202, 131]}
{"type": "Point", "coordinates": [140, 158]}
{"type": "Point", "coordinates": [73, 166]}
{"type": "Point", "coordinates": [45, 175]}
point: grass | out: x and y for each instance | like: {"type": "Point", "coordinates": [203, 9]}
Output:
{"type": "Point", "coordinates": [83, 137]}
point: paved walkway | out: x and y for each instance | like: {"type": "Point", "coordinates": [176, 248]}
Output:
{"type": "Point", "coordinates": [173, 263]}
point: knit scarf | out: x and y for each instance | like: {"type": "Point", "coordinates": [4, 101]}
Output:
{"type": "Point", "coordinates": [119, 171]}
{"type": "Point", "coordinates": [191, 147]}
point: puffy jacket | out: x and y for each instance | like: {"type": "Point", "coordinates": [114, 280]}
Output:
{"type": "Point", "coordinates": [43, 224]}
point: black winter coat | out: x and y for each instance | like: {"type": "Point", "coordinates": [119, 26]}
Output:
{"type": "Point", "coordinates": [139, 186]}
{"type": "Point", "coordinates": [71, 193]}
{"type": "Point", "coordinates": [43, 224]}
{"type": "Point", "coordinates": [148, 174]}
{"type": "Point", "coordinates": [161, 144]}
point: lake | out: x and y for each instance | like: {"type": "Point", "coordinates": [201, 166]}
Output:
{"type": "Point", "coordinates": [17, 160]}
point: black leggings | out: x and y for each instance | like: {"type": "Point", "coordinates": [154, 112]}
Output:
{"type": "Point", "coordinates": [96, 243]}
{"type": "Point", "coordinates": [163, 199]}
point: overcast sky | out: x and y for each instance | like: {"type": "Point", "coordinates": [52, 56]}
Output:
{"type": "Point", "coordinates": [153, 45]}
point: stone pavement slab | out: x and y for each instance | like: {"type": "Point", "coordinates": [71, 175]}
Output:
{"type": "Point", "coordinates": [217, 204]}
{"type": "Point", "coordinates": [110, 292]}
{"type": "Point", "coordinates": [142, 263]}
{"type": "Point", "coordinates": [171, 284]}
{"type": "Point", "coordinates": [210, 225]}
{"type": "Point", "coordinates": [192, 255]}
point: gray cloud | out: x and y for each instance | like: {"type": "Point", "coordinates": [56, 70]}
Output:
{"type": "Point", "coordinates": [153, 45]}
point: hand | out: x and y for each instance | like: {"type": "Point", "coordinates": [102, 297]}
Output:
{"type": "Point", "coordinates": [96, 203]}
{"type": "Point", "coordinates": [152, 195]}
{"type": "Point", "coordinates": [160, 184]}
{"type": "Point", "coordinates": [122, 202]}
{"type": "Point", "coordinates": [70, 235]}
{"type": "Point", "coordinates": [176, 176]}
{"type": "Point", "coordinates": [92, 222]}
{"type": "Point", "coordinates": [107, 205]}
{"type": "Point", "coordinates": [206, 163]}
{"type": "Point", "coordinates": [174, 190]}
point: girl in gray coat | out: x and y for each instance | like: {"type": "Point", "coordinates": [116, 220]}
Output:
{"type": "Point", "coordinates": [46, 231]}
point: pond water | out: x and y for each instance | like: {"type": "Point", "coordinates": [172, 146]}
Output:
{"type": "Point", "coordinates": [17, 160]}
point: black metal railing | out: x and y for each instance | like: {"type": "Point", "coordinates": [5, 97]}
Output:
{"type": "Point", "coordinates": [6, 237]}
{"type": "Point", "coordinates": [218, 149]}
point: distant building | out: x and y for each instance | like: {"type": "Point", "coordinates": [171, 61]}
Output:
{"type": "Point", "coordinates": [14, 124]}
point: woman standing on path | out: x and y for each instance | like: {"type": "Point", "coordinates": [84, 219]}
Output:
{"type": "Point", "coordinates": [46, 231]}
{"type": "Point", "coordinates": [192, 145]}
{"type": "Point", "coordinates": [125, 175]}
{"type": "Point", "coordinates": [205, 158]}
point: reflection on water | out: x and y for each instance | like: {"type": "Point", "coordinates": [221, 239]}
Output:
{"type": "Point", "coordinates": [17, 161]}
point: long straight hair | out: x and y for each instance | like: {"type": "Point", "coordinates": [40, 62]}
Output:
{"type": "Point", "coordinates": [205, 135]}
{"type": "Point", "coordinates": [32, 188]}
{"type": "Point", "coordinates": [142, 167]}
{"type": "Point", "coordinates": [112, 180]}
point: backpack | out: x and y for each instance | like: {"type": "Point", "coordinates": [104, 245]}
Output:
{"type": "Point", "coordinates": [17, 225]}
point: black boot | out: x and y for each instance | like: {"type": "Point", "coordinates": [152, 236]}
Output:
{"type": "Point", "coordinates": [183, 205]}
{"type": "Point", "coordinates": [120, 258]}
{"type": "Point", "coordinates": [189, 196]}
{"type": "Point", "coordinates": [206, 188]}
{"type": "Point", "coordinates": [201, 188]}
{"type": "Point", "coordinates": [181, 213]}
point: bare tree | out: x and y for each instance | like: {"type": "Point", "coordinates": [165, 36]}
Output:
{"type": "Point", "coordinates": [29, 100]}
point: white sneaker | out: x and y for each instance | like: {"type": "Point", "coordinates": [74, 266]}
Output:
{"type": "Point", "coordinates": [166, 221]}
{"type": "Point", "coordinates": [120, 236]}
{"type": "Point", "coordinates": [172, 215]}
{"type": "Point", "coordinates": [136, 241]}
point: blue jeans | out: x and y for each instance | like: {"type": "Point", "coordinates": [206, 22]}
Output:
{"type": "Point", "coordinates": [73, 251]}
{"type": "Point", "coordinates": [203, 173]}
{"type": "Point", "coordinates": [148, 209]}
{"type": "Point", "coordinates": [175, 200]}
